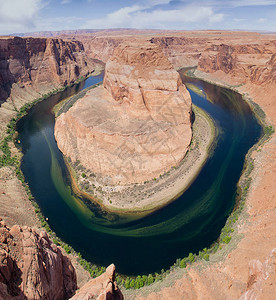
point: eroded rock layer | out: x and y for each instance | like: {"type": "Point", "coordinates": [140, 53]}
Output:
{"type": "Point", "coordinates": [137, 125]}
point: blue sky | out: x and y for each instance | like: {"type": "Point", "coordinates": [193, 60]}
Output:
{"type": "Point", "coordinates": [39, 15]}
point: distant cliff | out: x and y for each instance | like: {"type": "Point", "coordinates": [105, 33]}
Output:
{"type": "Point", "coordinates": [255, 63]}
{"type": "Point", "coordinates": [211, 51]}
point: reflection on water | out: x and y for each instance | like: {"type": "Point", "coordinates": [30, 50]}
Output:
{"type": "Point", "coordinates": [151, 243]}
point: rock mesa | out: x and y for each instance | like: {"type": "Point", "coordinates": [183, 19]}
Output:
{"type": "Point", "coordinates": [134, 127]}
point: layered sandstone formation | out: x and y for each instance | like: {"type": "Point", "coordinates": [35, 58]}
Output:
{"type": "Point", "coordinates": [244, 269]}
{"type": "Point", "coordinates": [240, 54]}
{"type": "Point", "coordinates": [103, 287]}
{"type": "Point", "coordinates": [255, 63]}
{"type": "Point", "coordinates": [30, 67]}
{"type": "Point", "coordinates": [32, 267]}
{"type": "Point", "coordinates": [135, 127]}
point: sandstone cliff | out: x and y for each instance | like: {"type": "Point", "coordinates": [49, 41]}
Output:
{"type": "Point", "coordinates": [30, 67]}
{"type": "Point", "coordinates": [32, 267]}
{"type": "Point", "coordinates": [245, 63]}
{"type": "Point", "coordinates": [135, 127]}
{"type": "Point", "coordinates": [40, 62]}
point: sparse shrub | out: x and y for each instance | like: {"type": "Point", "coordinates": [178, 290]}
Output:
{"type": "Point", "coordinates": [206, 256]}
{"type": "Point", "coordinates": [67, 249]}
{"type": "Point", "coordinates": [191, 257]}
{"type": "Point", "coordinates": [226, 239]}
{"type": "Point", "coordinates": [183, 263]}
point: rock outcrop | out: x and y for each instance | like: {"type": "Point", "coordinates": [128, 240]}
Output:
{"type": "Point", "coordinates": [135, 127]}
{"type": "Point", "coordinates": [103, 287]}
{"type": "Point", "coordinates": [32, 267]}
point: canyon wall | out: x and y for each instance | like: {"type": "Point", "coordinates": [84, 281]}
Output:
{"type": "Point", "coordinates": [255, 63]}
{"type": "Point", "coordinates": [241, 56]}
{"type": "Point", "coordinates": [30, 67]}
{"type": "Point", "coordinates": [135, 127]}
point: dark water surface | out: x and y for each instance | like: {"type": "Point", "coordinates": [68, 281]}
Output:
{"type": "Point", "coordinates": [146, 245]}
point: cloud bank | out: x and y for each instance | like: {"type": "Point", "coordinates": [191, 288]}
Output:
{"type": "Point", "coordinates": [18, 15]}
{"type": "Point", "coordinates": [139, 16]}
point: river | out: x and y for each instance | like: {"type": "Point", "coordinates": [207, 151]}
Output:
{"type": "Point", "coordinates": [189, 224]}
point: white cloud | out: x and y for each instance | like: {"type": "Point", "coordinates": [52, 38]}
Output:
{"type": "Point", "coordinates": [65, 1]}
{"type": "Point", "coordinates": [138, 17]}
{"type": "Point", "coordinates": [239, 20]}
{"type": "Point", "coordinates": [242, 3]}
{"type": "Point", "coordinates": [18, 15]}
{"type": "Point", "coordinates": [157, 2]}
{"type": "Point", "coordinates": [261, 20]}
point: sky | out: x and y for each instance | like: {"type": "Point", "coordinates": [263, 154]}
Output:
{"type": "Point", "coordinates": [20, 16]}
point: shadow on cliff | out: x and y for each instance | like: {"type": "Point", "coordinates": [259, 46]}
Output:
{"type": "Point", "coordinates": [10, 280]}
{"type": "Point", "coordinates": [7, 79]}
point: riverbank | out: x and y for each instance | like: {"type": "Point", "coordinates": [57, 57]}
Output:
{"type": "Point", "coordinates": [246, 266]}
{"type": "Point", "coordinates": [13, 197]}
{"type": "Point", "coordinates": [99, 69]}
{"type": "Point", "coordinates": [154, 194]}
{"type": "Point", "coordinates": [16, 201]}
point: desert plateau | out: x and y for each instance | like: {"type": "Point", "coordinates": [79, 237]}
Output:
{"type": "Point", "coordinates": [137, 163]}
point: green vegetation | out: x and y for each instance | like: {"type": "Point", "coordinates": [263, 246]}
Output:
{"type": "Point", "coordinates": [269, 130]}
{"type": "Point", "coordinates": [183, 263]}
{"type": "Point", "coordinates": [191, 257]}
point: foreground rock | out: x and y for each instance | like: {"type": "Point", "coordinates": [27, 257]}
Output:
{"type": "Point", "coordinates": [103, 287]}
{"type": "Point", "coordinates": [32, 267]}
{"type": "Point", "coordinates": [135, 127]}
